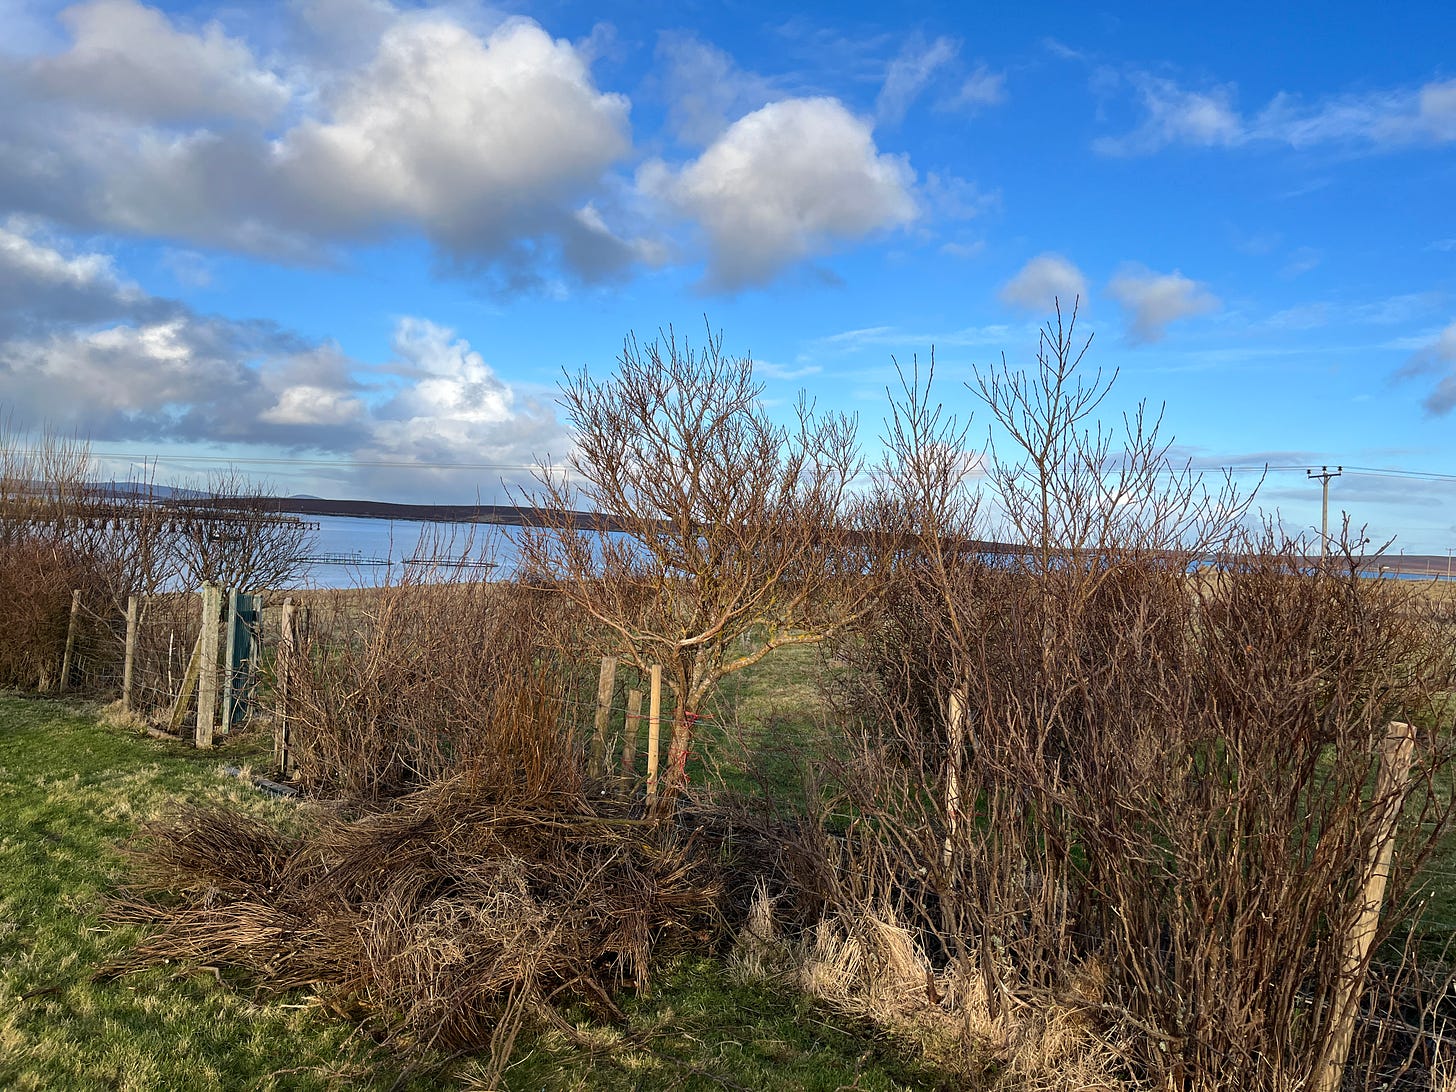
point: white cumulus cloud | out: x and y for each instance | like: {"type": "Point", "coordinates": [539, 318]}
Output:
{"type": "Point", "coordinates": [1042, 282]}
{"type": "Point", "coordinates": [789, 181]}
{"type": "Point", "coordinates": [1154, 300]}
{"type": "Point", "coordinates": [361, 121]}
{"type": "Point", "coordinates": [129, 59]}
{"type": "Point", "coordinates": [311, 405]}
{"type": "Point", "coordinates": [496, 145]}
{"type": "Point", "coordinates": [476, 140]}
{"type": "Point", "coordinates": [451, 407]}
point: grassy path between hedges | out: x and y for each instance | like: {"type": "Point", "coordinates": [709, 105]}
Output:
{"type": "Point", "coordinates": [72, 790]}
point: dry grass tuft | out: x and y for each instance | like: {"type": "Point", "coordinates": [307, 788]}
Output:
{"type": "Point", "coordinates": [116, 715]}
{"type": "Point", "coordinates": [871, 967]}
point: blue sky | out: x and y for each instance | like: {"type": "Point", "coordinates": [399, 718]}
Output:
{"type": "Point", "coordinates": [352, 245]}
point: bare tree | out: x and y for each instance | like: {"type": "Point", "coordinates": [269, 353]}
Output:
{"type": "Point", "coordinates": [709, 520]}
{"type": "Point", "coordinates": [61, 532]}
{"type": "Point", "coordinates": [235, 535]}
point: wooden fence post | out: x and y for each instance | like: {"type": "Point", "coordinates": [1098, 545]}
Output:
{"type": "Point", "coordinates": [70, 640]}
{"type": "Point", "coordinates": [654, 715]}
{"type": "Point", "coordinates": [1389, 798]}
{"type": "Point", "coordinates": [284, 674]}
{"type": "Point", "coordinates": [207, 677]}
{"type": "Point", "coordinates": [629, 737]}
{"type": "Point", "coordinates": [128, 663]}
{"type": "Point", "coordinates": [606, 682]}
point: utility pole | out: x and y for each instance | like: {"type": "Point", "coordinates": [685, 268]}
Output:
{"type": "Point", "coordinates": [1324, 477]}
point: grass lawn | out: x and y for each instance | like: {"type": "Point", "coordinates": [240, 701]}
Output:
{"type": "Point", "coordinates": [72, 790]}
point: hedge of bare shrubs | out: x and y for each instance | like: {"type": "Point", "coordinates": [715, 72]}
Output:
{"type": "Point", "coordinates": [1101, 814]}
{"type": "Point", "coordinates": [1129, 769]}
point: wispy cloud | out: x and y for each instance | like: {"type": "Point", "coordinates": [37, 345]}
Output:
{"type": "Point", "coordinates": [934, 70]}
{"type": "Point", "coordinates": [1436, 356]}
{"type": "Point", "coordinates": [1209, 117]}
{"type": "Point", "coordinates": [978, 90]}
{"type": "Point", "coordinates": [902, 340]}
{"type": "Point", "coordinates": [705, 89]}
{"type": "Point", "coordinates": [909, 74]}
{"type": "Point", "coordinates": [1174, 115]}
{"type": "Point", "coordinates": [1058, 48]}
{"type": "Point", "coordinates": [1301, 261]}
{"type": "Point", "coordinates": [783, 372]}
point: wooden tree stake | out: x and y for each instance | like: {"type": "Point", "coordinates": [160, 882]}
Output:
{"type": "Point", "coordinates": [629, 737]}
{"type": "Point", "coordinates": [284, 670]}
{"type": "Point", "coordinates": [189, 682]}
{"type": "Point", "coordinates": [1390, 792]}
{"type": "Point", "coordinates": [70, 640]}
{"type": "Point", "coordinates": [956, 728]}
{"type": "Point", "coordinates": [606, 683]}
{"type": "Point", "coordinates": [230, 651]}
{"type": "Point", "coordinates": [128, 665]}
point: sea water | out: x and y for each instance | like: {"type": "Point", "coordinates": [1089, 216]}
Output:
{"type": "Point", "coordinates": [350, 551]}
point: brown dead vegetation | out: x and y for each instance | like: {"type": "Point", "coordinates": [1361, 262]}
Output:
{"type": "Point", "coordinates": [1078, 756]}
{"type": "Point", "coordinates": [440, 921]}
{"type": "Point", "coordinates": [436, 675]}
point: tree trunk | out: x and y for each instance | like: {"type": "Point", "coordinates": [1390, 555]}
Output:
{"type": "Point", "coordinates": [678, 750]}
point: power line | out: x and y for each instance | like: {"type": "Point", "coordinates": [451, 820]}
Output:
{"type": "Point", "coordinates": [400, 464]}
{"type": "Point", "coordinates": [1363, 471]}
{"type": "Point", "coordinates": [410, 464]}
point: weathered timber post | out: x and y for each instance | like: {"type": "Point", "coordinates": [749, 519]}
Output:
{"type": "Point", "coordinates": [207, 677]}
{"type": "Point", "coordinates": [284, 671]}
{"type": "Point", "coordinates": [70, 640]}
{"type": "Point", "coordinates": [189, 683]}
{"type": "Point", "coordinates": [606, 682]}
{"type": "Point", "coordinates": [629, 737]}
{"type": "Point", "coordinates": [128, 664]}
{"type": "Point", "coordinates": [654, 717]}
{"type": "Point", "coordinates": [1389, 798]}
{"type": "Point", "coordinates": [955, 719]}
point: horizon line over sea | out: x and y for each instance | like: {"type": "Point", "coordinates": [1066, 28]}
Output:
{"type": "Point", "coordinates": [364, 551]}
